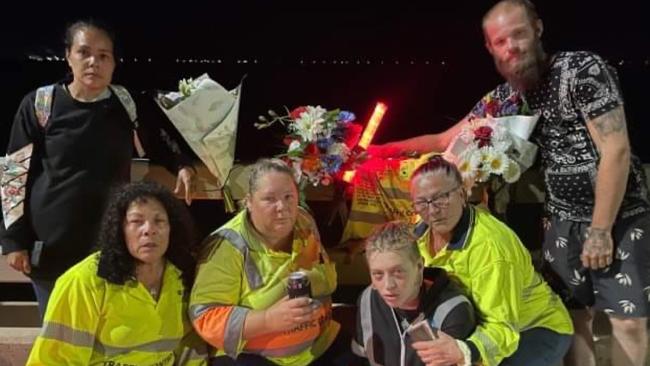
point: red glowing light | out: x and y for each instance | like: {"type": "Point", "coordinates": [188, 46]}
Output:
{"type": "Point", "coordinates": [368, 134]}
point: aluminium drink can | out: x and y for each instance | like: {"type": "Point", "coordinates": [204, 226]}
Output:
{"type": "Point", "coordinates": [298, 285]}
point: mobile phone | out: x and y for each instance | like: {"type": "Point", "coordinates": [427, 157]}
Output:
{"type": "Point", "coordinates": [421, 331]}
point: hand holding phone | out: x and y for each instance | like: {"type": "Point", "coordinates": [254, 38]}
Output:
{"type": "Point", "coordinates": [420, 330]}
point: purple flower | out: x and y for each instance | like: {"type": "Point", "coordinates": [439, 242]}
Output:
{"type": "Point", "coordinates": [508, 108]}
{"type": "Point", "coordinates": [331, 163]}
{"type": "Point", "coordinates": [323, 144]}
{"type": "Point", "coordinates": [346, 117]}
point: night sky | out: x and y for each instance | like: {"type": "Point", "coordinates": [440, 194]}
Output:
{"type": "Point", "coordinates": [427, 62]}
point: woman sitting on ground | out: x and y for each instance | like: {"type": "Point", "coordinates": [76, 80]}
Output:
{"type": "Point", "coordinates": [239, 302]}
{"type": "Point", "coordinates": [127, 303]}
{"type": "Point", "coordinates": [403, 291]}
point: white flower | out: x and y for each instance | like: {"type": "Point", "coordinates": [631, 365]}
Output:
{"type": "Point", "coordinates": [497, 162]}
{"type": "Point", "coordinates": [513, 172]}
{"type": "Point", "coordinates": [479, 157]}
{"type": "Point", "coordinates": [561, 242]}
{"type": "Point", "coordinates": [310, 123]}
{"type": "Point", "coordinates": [467, 171]}
{"type": "Point", "coordinates": [294, 146]}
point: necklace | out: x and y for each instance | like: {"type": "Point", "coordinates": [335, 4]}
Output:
{"type": "Point", "coordinates": [151, 279]}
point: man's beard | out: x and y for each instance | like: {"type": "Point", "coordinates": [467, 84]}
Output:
{"type": "Point", "coordinates": [526, 74]}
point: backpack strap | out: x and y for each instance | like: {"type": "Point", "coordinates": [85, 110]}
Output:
{"type": "Point", "coordinates": [43, 109]}
{"type": "Point", "coordinates": [43, 104]}
{"type": "Point", "coordinates": [127, 101]}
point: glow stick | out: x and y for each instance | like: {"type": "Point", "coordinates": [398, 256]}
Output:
{"type": "Point", "coordinates": [368, 134]}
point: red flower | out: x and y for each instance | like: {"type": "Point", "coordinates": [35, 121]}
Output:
{"type": "Point", "coordinates": [483, 132]}
{"type": "Point", "coordinates": [492, 108]}
{"type": "Point", "coordinates": [296, 112]}
{"type": "Point", "coordinates": [312, 149]}
{"type": "Point", "coordinates": [310, 164]}
{"type": "Point", "coordinates": [352, 135]}
{"type": "Point", "coordinates": [289, 139]}
{"type": "Point", "coordinates": [483, 135]}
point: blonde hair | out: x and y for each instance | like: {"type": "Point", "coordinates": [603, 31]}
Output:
{"type": "Point", "coordinates": [265, 165]}
{"type": "Point", "coordinates": [393, 236]}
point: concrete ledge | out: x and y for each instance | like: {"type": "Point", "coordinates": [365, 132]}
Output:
{"type": "Point", "coordinates": [208, 187]}
{"type": "Point", "coordinates": [15, 344]}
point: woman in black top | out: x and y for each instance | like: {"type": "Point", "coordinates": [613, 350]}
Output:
{"type": "Point", "coordinates": [69, 144]}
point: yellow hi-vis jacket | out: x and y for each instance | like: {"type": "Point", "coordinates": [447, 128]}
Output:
{"type": "Point", "coordinates": [238, 273]}
{"type": "Point", "coordinates": [496, 272]}
{"type": "Point", "coordinates": [90, 321]}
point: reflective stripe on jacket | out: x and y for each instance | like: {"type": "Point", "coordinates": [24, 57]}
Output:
{"type": "Point", "coordinates": [90, 321]}
{"type": "Point", "coordinates": [238, 273]}
{"type": "Point", "coordinates": [497, 273]}
{"type": "Point", "coordinates": [380, 332]}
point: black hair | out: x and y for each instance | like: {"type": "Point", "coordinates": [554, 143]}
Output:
{"type": "Point", "coordinates": [72, 29]}
{"type": "Point", "coordinates": [116, 264]}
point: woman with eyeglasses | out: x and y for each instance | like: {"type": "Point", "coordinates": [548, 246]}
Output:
{"type": "Point", "coordinates": [522, 322]}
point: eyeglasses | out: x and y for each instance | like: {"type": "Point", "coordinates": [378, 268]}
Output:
{"type": "Point", "coordinates": [439, 201]}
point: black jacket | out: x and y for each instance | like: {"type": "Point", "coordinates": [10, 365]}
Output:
{"type": "Point", "coordinates": [443, 305]}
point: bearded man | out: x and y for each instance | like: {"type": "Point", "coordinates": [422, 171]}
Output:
{"type": "Point", "coordinates": [596, 194]}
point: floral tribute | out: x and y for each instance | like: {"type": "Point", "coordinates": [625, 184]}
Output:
{"type": "Point", "coordinates": [495, 145]}
{"type": "Point", "coordinates": [486, 153]}
{"type": "Point", "coordinates": [319, 141]}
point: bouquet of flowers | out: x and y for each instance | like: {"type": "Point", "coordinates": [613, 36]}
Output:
{"type": "Point", "coordinates": [485, 151]}
{"type": "Point", "coordinates": [186, 87]}
{"type": "Point", "coordinates": [496, 145]}
{"type": "Point", "coordinates": [206, 116]}
{"type": "Point", "coordinates": [319, 142]}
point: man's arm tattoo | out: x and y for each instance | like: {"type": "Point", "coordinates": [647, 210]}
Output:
{"type": "Point", "coordinates": [611, 122]}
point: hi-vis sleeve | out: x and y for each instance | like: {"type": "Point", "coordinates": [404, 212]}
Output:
{"type": "Point", "coordinates": [216, 292]}
{"type": "Point", "coordinates": [70, 324]}
{"type": "Point", "coordinates": [497, 335]}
